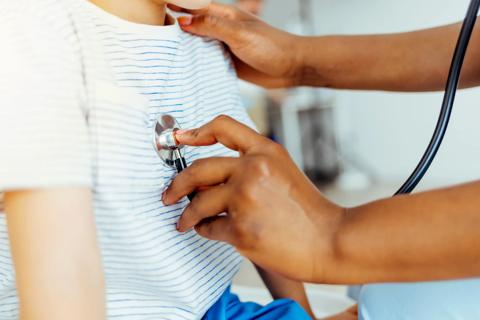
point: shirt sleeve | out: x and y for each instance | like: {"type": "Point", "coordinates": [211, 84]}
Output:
{"type": "Point", "coordinates": [44, 140]}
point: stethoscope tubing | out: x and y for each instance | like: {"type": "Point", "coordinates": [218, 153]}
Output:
{"type": "Point", "coordinates": [448, 100]}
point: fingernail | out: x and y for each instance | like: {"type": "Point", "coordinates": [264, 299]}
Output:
{"type": "Point", "coordinates": [179, 228]}
{"type": "Point", "coordinates": [185, 21]}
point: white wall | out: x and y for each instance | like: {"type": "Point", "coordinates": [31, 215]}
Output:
{"type": "Point", "coordinates": [389, 131]}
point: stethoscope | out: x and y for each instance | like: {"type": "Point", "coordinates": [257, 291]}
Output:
{"type": "Point", "coordinates": [167, 146]}
{"type": "Point", "coordinates": [171, 152]}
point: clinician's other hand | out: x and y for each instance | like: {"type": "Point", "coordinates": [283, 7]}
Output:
{"type": "Point", "coordinates": [262, 54]}
{"type": "Point", "coordinates": [274, 215]}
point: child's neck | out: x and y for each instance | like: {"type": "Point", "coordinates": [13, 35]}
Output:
{"type": "Point", "coordinates": [151, 12]}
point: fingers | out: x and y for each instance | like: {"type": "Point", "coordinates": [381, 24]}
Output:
{"type": "Point", "coordinates": [202, 173]}
{"type": "Point", "coordinates": [217, 228]}
{"type": "Point", "coordinates": [353, 310]}
{"type": "Point", "coordinates": [206, 204]}
{"type": "Point", "coordinates": [217, 21]}
{"type": "Point", "coordinates": [175, 8]}
{"type": "Point", "coordinates": [249, 74]}
{"type": "Point", "coordinates": [225, 130]}
{"type": "Point", "coordinates": [189, 4]}
{"type": "Point", "coordinates": [212, 26]}
{"type": "Point", "coordinates": [213, 9]}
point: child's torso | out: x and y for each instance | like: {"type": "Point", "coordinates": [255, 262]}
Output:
{"type": "Point", "coordinates": [133, 74]}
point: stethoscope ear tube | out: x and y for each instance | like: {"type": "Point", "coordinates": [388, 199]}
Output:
{"type": "Point", "coordinates": [448, 100]}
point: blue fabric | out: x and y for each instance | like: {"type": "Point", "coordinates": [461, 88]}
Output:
{"type": "Point", "coordinates": [444, 300]}
{"type": "Point", "coordinates": [229, 307]}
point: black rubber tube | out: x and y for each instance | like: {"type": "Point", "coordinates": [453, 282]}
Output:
{"type": "Point", "coordinates": [448, 100]}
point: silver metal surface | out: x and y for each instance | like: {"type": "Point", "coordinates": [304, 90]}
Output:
{"type": "Point", "coordinates": [164, 140]}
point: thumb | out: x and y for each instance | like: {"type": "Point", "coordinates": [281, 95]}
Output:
{"type": "Point", "coordinates": [209, 25]}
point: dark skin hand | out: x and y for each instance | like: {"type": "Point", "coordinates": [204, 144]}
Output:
{"type": "Point", "coordinates": [230, 187]}
{"type": "Point", "coordinates": [410, 61]}
{"type": "Point", "coordinates": [235, 184]}
{"type": "Point", "coordinates": [278, 219]}
{"type": "Point", "coordinates": [275, 216]}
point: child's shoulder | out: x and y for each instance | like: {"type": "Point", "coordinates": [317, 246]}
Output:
{"type": "Point", "coordinates": [204, 43]}
{"type": "Point", "coordinates": [43, 14]}
{"type": "Point", "coordinates": [34, 8]}
{"type": "Point", "coordinates": [208, 51]}
{"type": "Point", "coordinates": [43, 24]}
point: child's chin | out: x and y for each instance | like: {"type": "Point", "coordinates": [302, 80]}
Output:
{"type": "Point", "coordinates": [190, 4]}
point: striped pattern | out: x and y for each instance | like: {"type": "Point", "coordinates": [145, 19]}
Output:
{"type": "Point", "coordinates": [131, 74]}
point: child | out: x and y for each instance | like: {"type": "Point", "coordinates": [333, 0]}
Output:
{"type": "Point", "coordinates": [82, 85]}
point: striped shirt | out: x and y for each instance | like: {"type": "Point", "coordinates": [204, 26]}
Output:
{"type": "Point", "coordinates": [74, 75]}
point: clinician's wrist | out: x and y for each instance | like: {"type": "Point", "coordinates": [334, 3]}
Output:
{"type": "Point", "coordinates": [329, 254]}
{"type": "Point", "coordinates": [310, 63]}
{"type": "Point", "coordinates": [299, 49]}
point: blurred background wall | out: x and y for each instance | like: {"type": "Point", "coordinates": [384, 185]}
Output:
{"type": "Point", "coordinates": [387, 132]}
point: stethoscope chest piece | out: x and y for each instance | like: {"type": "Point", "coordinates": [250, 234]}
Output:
{"type": "Point", "coordinates": [167, 146]}
{"type": "Point", "coordinates": [164, 141]}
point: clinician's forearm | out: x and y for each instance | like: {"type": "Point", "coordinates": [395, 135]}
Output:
{"type": "Point", "coordinates": [412, 61]}
{"type": "Point", "coordinates": [426, 236]}
{"type": "Point", "coordinates": [57, 261]}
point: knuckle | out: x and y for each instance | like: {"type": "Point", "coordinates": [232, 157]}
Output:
{"type": "Point", "coordinates": [222, 120]}
{"type": "Point", "coordinates": [190, 216]}
{"type": "Point", "coordinates": [212, 21]}
{"type": "Point", "coordinates": [235, 14]}
{"type": "Point", "coordinates": [246, 234]}
{"type": "Point", "coordinates": [245, 193]}
{"type": "Point", "coordinates": [259, 166]}
{"type": "Point", "coordinates": [274, 148]}
{"type": "Point", "coordinates": [200, 19]}
{"type": "Point", "coordinates": [185, 219]}
{"type": "Point", "coordinates": [186, 179]}
{"type": "Point", "coordinates": [203, 230]}
{"type": "Point", "coordinates": [239, 231]}
{"type": "Point", "coordinates": [195, 133]}
{"type": "Point", "coordinates": [208, 230]}
{"type": "Point", "coordinates": [220, 123]}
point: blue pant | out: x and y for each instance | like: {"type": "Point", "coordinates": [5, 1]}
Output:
{"type": "Point", "coordinates": [229, 307]}
{"type": "Point", "coordinates": [448, 300]}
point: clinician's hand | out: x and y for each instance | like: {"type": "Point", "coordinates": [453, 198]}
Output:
{"type": "Point", "coordinates": [274, 215]}
{"type": "Point", "coordinates": [262, 54]}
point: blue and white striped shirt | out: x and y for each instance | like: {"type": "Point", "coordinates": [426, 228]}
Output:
{"type": "Point", "coordinates": [103, 82]}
